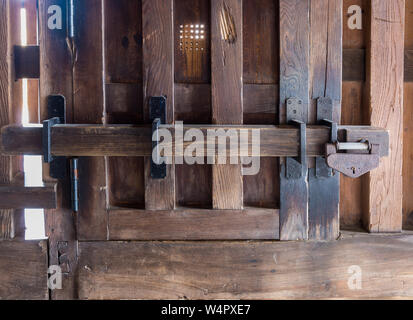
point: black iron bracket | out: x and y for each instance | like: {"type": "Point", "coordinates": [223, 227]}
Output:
{"type": "Point", "coordinates": [157, 110]}
{"type": "Point", "coordinates": [296, 167]}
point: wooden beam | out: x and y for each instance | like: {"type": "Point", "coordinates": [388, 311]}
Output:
{"type": "Point", "coordinates": [23, 270]}
{"type": "Point", "coordinates": [194, 224]}
{"type": "Point", "coordinates": [254, 270]}
{"type": "Point", "coordinates": [294, 83]}
{"type": "Point", "coordinates": [227, 96]}
{"type": "Point", "coordinates": [158, 72]}
{"type": "Point", "coordinates": [20, 197]}
{"type": "Point", "coordinates": [135, 141]}
{"type": "Point", "coordinates": [383, 205]}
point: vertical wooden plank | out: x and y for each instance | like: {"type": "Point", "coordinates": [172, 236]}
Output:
{"type": "Point", "coordinates": [227, 94]}
{"type": "Point", "coordinates": [351, 190]}
{"type": "Point", "coordinates": [158, 80]}
{"type": "Point", "coordinates": [12, 221]}
{"type": "Point", "coordinates": [408, 129]}
{"type": "Point", "coordinates": [88, 97]}
{"type": "Point", "coordinates": [123, 92]}
{"type": "Point", "coordinates": [326, 81]}
{"type": "Point", "coordinates": [385, 98]}
{"type": "Point", "coordinates": [294, 82]}
{"type": "Point", "coordinates": [6, 216]}
{"type": "Point", "coordinates": [56, 75]}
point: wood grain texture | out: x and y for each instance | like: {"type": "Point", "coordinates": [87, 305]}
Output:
{"type": "Point", "coordinates": [56, 77]}
{"type": "Point", "coordinates": [6, 216]}
{"type": "Point", "coordinates": [194, 224]}
{"type": "Point", "coordinates": [254, 270]}
{"type": "Point", "coordinates": [23, 270]}
{"type": "Point", "coordinates": [158, 80]}
{"type": "Point", "coordinates": [134, 141]}
{"type": "Point", "coordinates": [325, 81]}
{"type": "Point", "coordinates": [294, 83]}
{"type": "Point", "coordinates": [385, 98]}
{"type": "Point", "coordinates": [408, 157]}
{"type": "Point", "coordinates": [88, 95]}
{"type": "Point", "coordinates": [227, 67]}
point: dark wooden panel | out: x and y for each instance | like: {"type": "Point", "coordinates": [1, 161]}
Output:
{"type": "Point", "coordinates": [226, 59]}
{"type": "Point", "coordinates": [19, 197]}
{"type": "Point", "coordinates": [135, 141]}
{"type": "Point", "coordinates": [192, 41]}
{"type": "Point", "coordinates": [158, 80]}
{"type": "Point", "coordinates": [123, 41]}
{"type": "Point", "coordinates": [193, 103]}
{"type": "Point", "coordinates": [23, 270]}
{"type": "Point", "coordinates": [294, 83]}
{"type": "Point", "coordinates": [383, 206]}
{"type": "Point", "coordinates": [260, 29]}
{"type": "Point", "coordinates": [27, 62]}
{"type": "Point", "coordinates": [194, 224]}
{"type": "Point", "coordinates": [123, 61]}
{"type": "Point", "coordinates": [255, 270]}
{"type": "Point", "coordinates": [194, 185]}
{"type": "Point", "coordinates": [88, 108]}
{"type": "Point", "coordinates": [263, 189]}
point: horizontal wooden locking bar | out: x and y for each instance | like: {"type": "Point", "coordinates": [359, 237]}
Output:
{"type": "Point", "coordinates": [135, 141]}
{"type": "Point", "coordinates": [21, 197]}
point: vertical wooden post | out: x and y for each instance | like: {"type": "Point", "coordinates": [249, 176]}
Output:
{"type": "Point", "coordinates": [158, 80]}
{"type": "Point", "coordinates": [88, 107]}
{"type": "Point", "coordinates": [326, 82]}
{"type": "Point", "coordinates": [12, 223]}
{"type": "Point", "coordinates": [294, 83]}
{"type": "Point", "coordinates": [383, 204]}
{"type": "Point", "coordinates": [6, 216]}
{"type": "Point", "coordinates": [56, 56]}
{"type": "Point", "coordinates": [227, 95]}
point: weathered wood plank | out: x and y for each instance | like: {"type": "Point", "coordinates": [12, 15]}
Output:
{"type": "Point", "coordinates": [158, 80]}
{"type": "Point", "coordinates": [56, 57]}
{"type": "Point", "coordinates": [135, 141]}
{"type": "Point", "coordinates": [194, 224]}
{"type": "Point", "coordinates": [23, 270]}
{"type": "Point", "coordinates": [20, 197]}
{"type": "Point", "coordinates": [255, 270]}
{"type": "Point", "coordinates": [383, 206]}
{"type": "Point", "coordinates": [326, 82]}
{"type": "Point", "coordinates": [226, 67]}
{"type": "Point", "coordinates": [88, 95]}
{"type": "Point", "coordinates": [294, 83]}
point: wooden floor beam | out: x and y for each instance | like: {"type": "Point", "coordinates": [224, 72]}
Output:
{"type": "Point", "coordinates": [249, 270]}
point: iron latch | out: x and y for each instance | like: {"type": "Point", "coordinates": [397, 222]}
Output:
{"type": "Point", "coordinates": [353, 159]}
{"type": "Point", "coordinates": [157, 110]}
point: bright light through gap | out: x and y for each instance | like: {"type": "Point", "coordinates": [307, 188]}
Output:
{"type": "Point", "coordinates": [34, 218]}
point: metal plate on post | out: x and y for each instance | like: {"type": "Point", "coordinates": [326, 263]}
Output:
{"type": "Point", "coordinates": [157, 114]}
{"type": "Point", "coordinates": [56, 108]}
